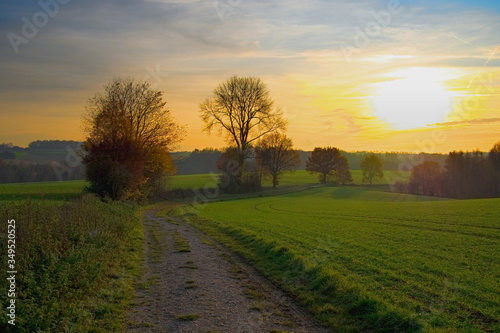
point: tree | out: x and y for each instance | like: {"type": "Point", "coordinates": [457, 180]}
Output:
{"type": "Point", "coordinates": [426, 179]}
{"type": "Point", "coordinates": [372, 168]}
{"type": "Point", "coordinates": [468, 175]}
{"type": "Point", "coordinates": [228, 167]}
{"type": "Point", "coordinates": [242, 110]}
{"type": "Point", "coordinates": [329, 163]}
{"type": "Point", "coordinates": [115, 169]}
{"type": "Point", "coordinates": [275, 154]}
{"type": "Point", "coordinates": [130, 133]}
{"type": "Point", "coordinates": [494, 157]}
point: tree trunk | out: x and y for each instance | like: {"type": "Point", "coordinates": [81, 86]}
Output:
{"type": "Point", "coordinates": [323, 179]}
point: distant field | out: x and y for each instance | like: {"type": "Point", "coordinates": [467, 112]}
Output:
{"type": "Point", "coordinates": [193, 181]}
{"type": "Point", "coordinates": [68, 189]}
{"type": "Point", "coordinates": [47, 190]}
{"type": "Point", "coordinates": [360, 258]}
{"type": "Point", "coordinates": [300, 177]}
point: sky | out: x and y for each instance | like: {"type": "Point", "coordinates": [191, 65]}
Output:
{"type": "Point", "coordinates": [359, 75]}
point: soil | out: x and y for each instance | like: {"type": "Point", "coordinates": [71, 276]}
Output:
{"type": "Point", "coordinates": [193, 284]}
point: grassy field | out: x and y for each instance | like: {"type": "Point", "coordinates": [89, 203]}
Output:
{"type": "Point", "coordinates": [299, 177]}
{"type": "Point", "coordinates": [372, 261]}
{"type": "Point", "coordinates": [52, 191]}
{"type": "Point", "coordinates": [66, 190]}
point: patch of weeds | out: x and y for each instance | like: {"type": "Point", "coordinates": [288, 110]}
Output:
{"type": "Point", "coordinates": [188, 317]}
{"type": "Point", "coordinates": [277, 312]}
{"type": "Point", "coordinates": [190, 285]}
{"type": "Point", "coordinates": [206, 241]}
{"type": "Point", "coordinates": [164, 213]}
{"type": "Point", "coordinates": [236, 272]}
{"type": "Point", "coordinates": [158, 244]}
{"type": "Point", "coordinates": [252, 292]}
{"type": "Point", "coordinates": [288, 323]}
{"type": "Point", "coordinates": [180, 243]}
{"type": "Point", "coordinates": [189, 264]}
{"type": "Point", "coordinates": [223, 255]}
{"type": "Point", "coordinates": [258, 305]}
{"type": "Point", "coordinates": [148, 283]}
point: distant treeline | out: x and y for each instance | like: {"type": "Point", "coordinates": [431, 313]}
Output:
{"type": "Point", "coordinates": [41, 145]}
{"type": "Point", "coordinates": [203, 161]}
{"type": "Point", "coordinates": [455, 175]}
{"type": "Point", "coordinates": [21, 172]}
{"type": "Point", "coordinates": [197, 161]}
{"type": "Point", "coordinates": [54, 145]}
{"type": "Point", "coordinates": [48, 160]}
{"type": "Point", "coordinates": [464, 175]}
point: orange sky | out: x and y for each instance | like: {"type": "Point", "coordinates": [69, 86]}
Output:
{"type": "Point", "coordinates": [354, 75]}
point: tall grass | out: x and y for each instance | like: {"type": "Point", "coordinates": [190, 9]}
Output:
{"type": "Point", "coordinates": [75, 264]}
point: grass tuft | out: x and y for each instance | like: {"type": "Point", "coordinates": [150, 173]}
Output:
{"type": "Point", "coordinates": [188, 317]}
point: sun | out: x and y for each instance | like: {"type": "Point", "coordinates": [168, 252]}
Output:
{"type": "Point", "coordinates": [413, 98]}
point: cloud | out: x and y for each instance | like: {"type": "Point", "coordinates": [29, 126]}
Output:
{"type": "Point", "coordinates": [467, 122]}
{"type": "Point", "coordinates": [295, 45]}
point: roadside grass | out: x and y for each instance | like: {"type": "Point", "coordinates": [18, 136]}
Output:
{"type": "Point", "coordinates": [77, 263]}
{"type": "Point", "coordinates": [371, 261]}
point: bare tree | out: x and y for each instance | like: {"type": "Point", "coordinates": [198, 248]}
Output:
{"type": "Point", "coordinates": [329, 163]}
{"type": "Point", "coordinates": [130, 130]}
{"type": "Point", "coordinates": [132, 110]}
{"type": "Point", "coordinates": [372, 168]}
{"type": "Point", "coordinates": [275, 154]}
{"type": "Point", "coordinates": [242, 110]}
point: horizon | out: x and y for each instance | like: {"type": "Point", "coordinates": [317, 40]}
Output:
{"type": "Point", "coordinates": [403, 76]}
{"type": "Point", "coordinates": [296, 148]}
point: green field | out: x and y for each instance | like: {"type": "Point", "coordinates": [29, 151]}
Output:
{"type": "Point", "coordinates": [54, 191]}
{"type": "Point", "coordinates": [372, 261]}
{"type": "Point", "coordinates": [299, 177]}
{"type": "Point", "coordinates": [66, 190]}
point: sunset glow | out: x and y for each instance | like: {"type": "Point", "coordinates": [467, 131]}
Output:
{"type": "Point", "coordinates": [359, 75]}
{"type": "Point", "coordinates": [413, 98]}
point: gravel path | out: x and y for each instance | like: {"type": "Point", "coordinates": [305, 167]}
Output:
{"type": "Point", "coordinates": [193, 284]}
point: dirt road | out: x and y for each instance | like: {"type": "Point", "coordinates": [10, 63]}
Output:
{"type": "Point", "coordinates": [193, 284]}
